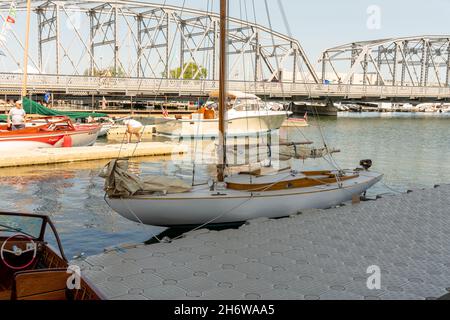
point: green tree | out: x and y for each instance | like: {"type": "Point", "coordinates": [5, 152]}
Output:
{"type": "Point", "coordinates": [191, 71]}
{"type": "Point", "coordinates": [108, 72]}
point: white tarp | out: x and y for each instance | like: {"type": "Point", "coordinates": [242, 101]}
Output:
{"type": "Point", "coordinates": [302, 152]}
{"type": "Point", "coordinates": [120, 182]}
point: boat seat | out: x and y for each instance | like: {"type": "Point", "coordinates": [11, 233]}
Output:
{"type": "Point", "coordinates": [5, 294]}
{"type": "Point", "coordinates": [46, 284]}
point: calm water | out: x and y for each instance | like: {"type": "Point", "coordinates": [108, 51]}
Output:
{"type": "Point", "coordinates": [411, 151]}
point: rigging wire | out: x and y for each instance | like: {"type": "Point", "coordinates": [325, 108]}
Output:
{"type": "Point", "coordinates": [144, 127]}
{"type": "Point", "coordinates": [206, 57]}
{"type": "Point", "coordinates": [245, 105]}
{"type": "Point", "coordinates": [333, 161]}
{"type": "Point", "coordinates": [251, 196]}
{"type": "Point", "coordinates": [162, 79]}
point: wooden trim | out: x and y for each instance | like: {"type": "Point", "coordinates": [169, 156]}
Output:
{"type": "Point", "coordinates": [291, 184]}
{"type": "Point", "coordinates": [36, 284]}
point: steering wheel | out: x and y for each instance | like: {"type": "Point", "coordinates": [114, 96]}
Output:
{"type": "Point", "coordinates": [30, 246]}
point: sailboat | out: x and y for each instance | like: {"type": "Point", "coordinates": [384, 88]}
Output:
{"type": "Point", "coordinates": [233, 197]}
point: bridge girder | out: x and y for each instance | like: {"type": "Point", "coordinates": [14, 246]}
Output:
{"type": "Point", "coordinates": [136, 39]}
{"type": "Point", "coordinates": [411, 61]}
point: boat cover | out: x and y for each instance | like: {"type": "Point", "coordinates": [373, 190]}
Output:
{"type": "Point", "coordinates": [302, 152]}
{"type": "Point", "coordinates": [32, 107]}
{"type": "Point", "coordinates": [119, 182]}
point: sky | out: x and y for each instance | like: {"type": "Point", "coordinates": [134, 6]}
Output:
{"type": "Point", "coordinates": [318, 24]}
{"type": "Point", "coordinates": [321, 24]}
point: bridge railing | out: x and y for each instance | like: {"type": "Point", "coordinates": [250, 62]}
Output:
{"type": "Point", "coordinates": [38, 83]}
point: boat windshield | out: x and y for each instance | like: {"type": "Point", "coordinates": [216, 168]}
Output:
{"type": "Point", "coordinates": [256, 105]}
{"type": "Point", "coordinates": [246, 104]}
{"type": "Point", "coordinates": [19, 224]}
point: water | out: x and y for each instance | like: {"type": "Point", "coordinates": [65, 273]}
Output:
{"type": "Point", "coordinates": [412, 152]}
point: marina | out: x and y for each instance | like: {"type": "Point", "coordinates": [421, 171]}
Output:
{"type": "Point", "coordinates": [157, 151]}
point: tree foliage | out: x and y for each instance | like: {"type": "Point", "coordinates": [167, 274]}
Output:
{"type": "Point", "coordinates": [192, 71]}
{"type": "Point", "coordinates": [107, 73]}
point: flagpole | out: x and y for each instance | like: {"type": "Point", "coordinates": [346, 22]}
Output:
{"type": "Point", "coordinates": [27, 44]}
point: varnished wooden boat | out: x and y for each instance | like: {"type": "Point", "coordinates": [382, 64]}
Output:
{"type": "Point", "coordinates": [49, 132]}
{"type": "Point", "coordinates": [30, 269]}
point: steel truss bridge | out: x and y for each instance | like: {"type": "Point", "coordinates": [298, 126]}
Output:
{"type": "Point", "coordinates": [136, 48]}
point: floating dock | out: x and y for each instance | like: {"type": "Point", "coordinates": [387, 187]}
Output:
{"type": "Point", "coordinates": [97, 152]}
{"type": "Point", "coordinates": [318, 254]}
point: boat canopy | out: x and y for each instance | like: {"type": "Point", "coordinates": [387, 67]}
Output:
{"type": "Point", "coordinates": [121, 183]}
{"type": "Point", "coordinates": [32, 107]}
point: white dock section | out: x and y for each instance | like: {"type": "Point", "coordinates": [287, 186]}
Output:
{"type": "Point", "coordinates": [97, 152]}
{"type": "Point", "coordinates": [118, 133]}
{"type": "Point", "coordinates": [315, 255]}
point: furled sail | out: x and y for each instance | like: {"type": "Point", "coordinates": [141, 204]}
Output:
{"type": "Point", "coordinates": [119, 182]}
{"type": "Point", "coordinates": [294, 151]}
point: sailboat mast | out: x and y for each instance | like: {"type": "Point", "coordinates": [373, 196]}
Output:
{"type": "Point", "coordinates": [222, 89]}
{"type": "Point", "coordinates": [27, 44]}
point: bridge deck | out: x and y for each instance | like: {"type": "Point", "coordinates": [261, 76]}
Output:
{"type": "Point", "coordinates": [80, 85]}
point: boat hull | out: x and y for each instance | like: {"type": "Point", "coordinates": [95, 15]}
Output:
{"type": "Point", "coordinates": [238, 126]}
{"type": "Point", "coordinates": [86, 137]}
{"type": "Point", "coordinates": [203, 206]}
{"type": "Point", "coordinates": [79, 138]}
{"type": "Point", "coordinates": [31, 141]}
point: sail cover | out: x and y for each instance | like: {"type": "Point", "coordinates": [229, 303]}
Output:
{"type": "Point", "coordinates": [119, 182]}
{"type": "Point", "coordinates": [302, 152]}
{"type": "Point", "coordinates": [32, 107]}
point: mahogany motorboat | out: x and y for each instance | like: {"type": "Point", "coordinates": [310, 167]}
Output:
{"type": "Point", "coordinates": [48, 132]}
{"type": "Point", "coordinates": [30, 269]}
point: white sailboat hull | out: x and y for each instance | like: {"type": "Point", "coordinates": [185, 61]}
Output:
{"type": "Point", "coordinates": [240, 124]}
{"type": "Point", "coordinates": [203, 206]}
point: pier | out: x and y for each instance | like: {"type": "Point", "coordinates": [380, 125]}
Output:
{"type": "Point", "coordinates": [98, 152]}
{"type": "Point", "coordinates": [317, 254]}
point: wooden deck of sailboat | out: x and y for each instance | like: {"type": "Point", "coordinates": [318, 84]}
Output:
{"type": "Point", "coordinates": [309, 179]}
{"type": "Point", "coordinates": [315, 255]}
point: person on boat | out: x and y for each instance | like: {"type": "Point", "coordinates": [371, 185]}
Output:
{"type": "Point", "coordinates": [209, 112]}
{"type": "Point", "coordinates": [134, 127]}
{"type": "Point", "coordinates": [16, 116]}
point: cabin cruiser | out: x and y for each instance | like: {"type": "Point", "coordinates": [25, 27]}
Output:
{"type": "Point", "coordinates": [246, 115]}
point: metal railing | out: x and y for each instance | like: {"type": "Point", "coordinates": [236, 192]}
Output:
{"type": "Point", "coordinates": [79, 85]}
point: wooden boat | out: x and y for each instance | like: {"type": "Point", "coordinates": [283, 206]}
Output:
{"type": "Point", "coordinates": [296, 122]}
{"type": "Point", "coordinates": [48, 132]}
{"type": "Point", "coordinates": [228, 197]}
{"type": "Point", "coordinates": [30, 269]}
